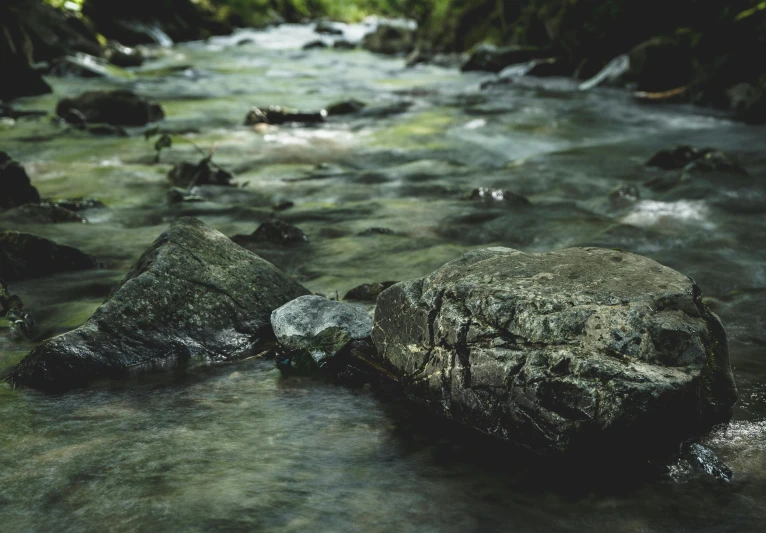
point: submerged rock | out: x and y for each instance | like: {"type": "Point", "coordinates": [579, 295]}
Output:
{"type": "Point", "coordinates": [42, 213]}
{"type": "Point", "coordinates": [119, 108]}
{"type": "Point", "coordinates": [490, 58]}
{"type": "Point", "coordinates": [15, 186]}
{"type": "Point", "coordinates": [368, 292]}
{"type": "Point", "coordinates": [488, 195]}
{"type": "Point", "coordinates": [277, 115]}
{"type": "Point", "coordinates": [192, 296]}
{"type": "Point", "coordinates": [274, 231]}
{"type": "Point", "coordinates": [624, 195]}
{"type": "Point", "coordinates": [25, 256]}
{"type": "Point", "coordinates": [584, 350]}
{"type": "Point", "coordinates": [391, 38]}
{"type": "Point", "coordinates": [345, 107]}
{"type": "Point", "coordinates": [203, 173]}
{"type": "Point", "coordinates": [677, 157]}
{"type": "Point", "coordinates": [315, 44]}
{"type": "Point", "coordinates": [314, 331]}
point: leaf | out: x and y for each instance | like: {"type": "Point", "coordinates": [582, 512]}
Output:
{"type": "Point", "coordinates": [750, 12]}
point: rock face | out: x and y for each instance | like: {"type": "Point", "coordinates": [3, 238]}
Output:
{"type": "Point", "coordinates": [576, 351]}
{"type": "Point", "coordinates": [193, 295]}
{"type": "Point", "coordinates": [119, 108]}
{"type": "Point", "coordinates": [15, 187]}
{"type": "Point", "coordinates": [26, 256]}
{"type": "Point", "coordinates": [314, 331]}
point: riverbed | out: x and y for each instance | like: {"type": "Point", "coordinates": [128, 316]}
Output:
{"type": "Point", "coordinates": [238, 447]}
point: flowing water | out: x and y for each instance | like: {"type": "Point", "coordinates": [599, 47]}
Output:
{"type": "Point", "coordinates": [240, 448]}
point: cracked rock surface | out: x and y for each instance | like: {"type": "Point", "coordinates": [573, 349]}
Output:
{"type": "Point", "coordinates": [584, 350]}
{"type": "Point", "coordinates": [194, 295]}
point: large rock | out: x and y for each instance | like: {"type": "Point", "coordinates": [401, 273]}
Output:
{"type": "Point", "coordinates": [15, 187]}
{"type": "Point", "coordinates": [584, 350]}
{"type": "Point", "coordinates": [119, 108]}
{"type": "Point", "coordinates": [194, 295]}
{"type": "Point", "coordinates": [25, 256]}
{"type": "Point", "coordinates": [314, 331]}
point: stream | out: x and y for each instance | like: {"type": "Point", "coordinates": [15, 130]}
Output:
{"type": "Point", "coordinates": [238, 447]}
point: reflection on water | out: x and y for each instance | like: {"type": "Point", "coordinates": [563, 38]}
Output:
{"type": "Point", "coordinates": [238, 448]}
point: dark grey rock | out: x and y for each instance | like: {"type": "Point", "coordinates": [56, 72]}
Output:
{"type": "Point", "coordinates": [368, 292]}
{"type": "Point", "coordinates": [345, 107]}
{"type": "Point", "coordinates": [343, 44]}
{"type": "Point", "coordinates": [277, 115]}
{"type": "Point", "coordinates": [319, 328]}
{"type": "Point", "coordinates": [274, 231]}
{"type": "Point", "coordinates": [580, 351]}
{"type": "Point", "coordinates": [119, 108]}
{"type": "Point", "coordinates": [315, 44]}
{"type": "Point", "coordinates": [15, 187]}
{"type": "Point", "coordinates": [327, 27]}
{"type": "Point", "coordinates": [194, 295]}
{"type": "Point", "coordinates": [26, 256]}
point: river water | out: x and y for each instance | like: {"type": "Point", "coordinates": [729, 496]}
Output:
{"type": "Point", "coordinates": [240, 448]}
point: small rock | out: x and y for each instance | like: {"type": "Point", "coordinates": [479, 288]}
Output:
{"type": "Point", "coordinates": [488, 195]}
{"type": "Point", "coordinates": [275, 231]}
{"type": "Point", "coordinates": [316, 44]}
{"type": "Point", "coordinates": [677, 157]}
{"type": "Point", "coordinates": [193, 296]}
{"type": "Point", "coordinates": [368, 292]}
{"type": "Point", "coordinates": [25, 256]}
{"type": "Point", "coordinates": [177, 195]}
{"type": "Point", "coordinates": [376, 231]}
{"type": "Point", "coordinates": [326, 27]}
{"type": "Point", "coordinates": [42, 213]}
{"type": "Point", "coordinates": [279, 115]}
{"type": "Point", "coordinates": [203, 173]}
{"type": "Point", "coordinates": [119, 108]}
{"type": "Point", "coordinates": [124, 57]}
{"type": "Point", "coordinates": [490, 58]}
{"type": "Point", "coordinates": [714, 161]}
{"type": "Point", "coordinates": [345, 107]}
{"type": "Point", "coordinates": [624, 195]}
{"type": "Point", "coordinates": [391, 39]}
{"type": "Point", "coordinates": [343, 44]}
{"type": "Point", "coordinates": [283, 205]}
{"type": "Point", "coordinates": [15, 187]}
{"type": "Point", "coordinates": [78, 204]}
{"type": "Point", "coordinates": [245, 41]}
{"type": "Point", "coordinates": [314, 332]}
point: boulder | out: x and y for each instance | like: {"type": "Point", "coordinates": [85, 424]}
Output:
{"type": "Point", "coordinates": [489, 58]}
{"type": "Point", "coordinates": [119, 108]}
{"type": "Point", "coordinates": [580, 351]}
{"type": "Point", "coordinates": [15, 187]}
{"type": "Point", "coordinates": [203, 173]}
{"type": "Point", "coordinates": [194, 295]}
{"type": "Point", "coordinates": [313, 332]}
{"type": "Point", "coordinates": [280, 115]}
{"type": "Point", "coordinates": [391, 38]}
{"type": "Point", "coordinates": [25, 256]}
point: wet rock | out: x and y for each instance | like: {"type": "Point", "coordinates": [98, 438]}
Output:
{"type": "Point", "coordinates": [205, 172]}
{"type": "Point", "coordinates": [245, 41]}
{"type": "Point", "coordinates": [284, 205]}
{"type": "Point", "coordinates": [697, 461]}
{"type": "Point", "coordinates": [345, 107]}
{"type": "Point", "coordinates": [119, 108]}
{"type": "Point", "coordinates": [274, 231]}
{"type": "Point", "coordinates": [714, 161]}
{"type": "Point", "coordinates": [78, 204]}
{"type": "Point", "coordinates": [343, 44]}
{"type": "Point", "coordinates": [677, 157]}
{"type": "Point", "coordinates": [26, 256]}
{"type": "Point", "coordinates": [624, 195]}
{"type": "Point", "coordinates": [280, 115]}
{"type": "Point", "coordinates": [124, 57]}
{"type": "Point", "coordinates": [490, 58]}
{"type": "Point", "coordinates": [20, 324]}
{"type": "Point", "coordinates": [177, 195]}
{"type": "Point", "coordinates": [313, 45]}
{"type": "Point", "coordinates": [391, 39]}
{"type": "Point", "coordinates": [488, 195]}
{"type": "Point", "coordinates": [80, 66]}
{"type": "Point", "coordinates": [368, 292]}
{"type": "Point", "coordinates": [42, 213]}
{"type": "Point", "coordinates": [192, 296]}
{"type": "Point", "coordinates": [326, 27]}
{"type": "Point", "coordinates": [583, 350]}
{"type": "Point", "coordinates": [748, 102]}
{"type": "Point", "coordinates": [376, 231]}
{"type": "Point", "coordinates": [15, 187]}
{"type": "Point", "coordinates": [314, 332]}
